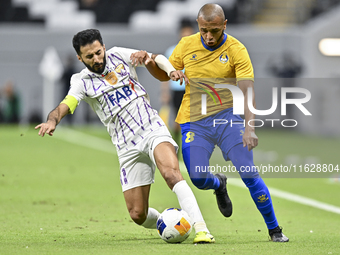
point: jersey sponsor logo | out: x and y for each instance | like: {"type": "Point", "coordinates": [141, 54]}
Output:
{"type": "Point", "coordinates": [111, 78]}
{"type": "Point", "coordinates": [224, 58]}
{"type": "Point", "coordinates": [194, 57]}
{"type": "Point", "coordinates": [119, 94]}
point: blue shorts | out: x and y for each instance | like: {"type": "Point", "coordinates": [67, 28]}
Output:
{"type": "Point", "coordinates": [222, 129]}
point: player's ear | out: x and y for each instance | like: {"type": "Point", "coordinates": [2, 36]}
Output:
{"type": "Point", "coordinates": [104, 47]}
{"type": "Point", "coordinates": [225, 24]}
{"type": "Point", "coordinates": [198, 24]}
{"type": "Point", "coordinates": [79, 58]}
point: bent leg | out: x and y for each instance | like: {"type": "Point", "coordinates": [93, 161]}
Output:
{"type": "Point", "coordinates": [197, 147]}
{"type": "Point", "coordinates": [196, 160]}
{"type": "Point", "coordinates": [137, 202]}
{"type": "Point", "coordinates": [243, 160]}
{"type": "Point", "coordinates": [167, 163]}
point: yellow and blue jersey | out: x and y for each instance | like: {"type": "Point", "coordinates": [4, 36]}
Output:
{"type": "Point", "coordinates": [205, 66]}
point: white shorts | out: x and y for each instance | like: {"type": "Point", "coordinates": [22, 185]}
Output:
{"type": "Point", "coordinates": [137, 164]}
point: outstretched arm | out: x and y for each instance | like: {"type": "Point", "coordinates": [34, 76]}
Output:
{"type": "Point", "coordinates": [142, 57]}
{"type": "Point", "coordinates": [53, 119]}
{"type": "Point", "coordinates": [158, 66]}
{"type": "Point", "coordinates": [249, 137]}
{"type": "Point", "coordinates": [175, 75]}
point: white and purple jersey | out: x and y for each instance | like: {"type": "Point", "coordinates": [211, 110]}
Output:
{"type": "Point", "coordinates": [120, 101]}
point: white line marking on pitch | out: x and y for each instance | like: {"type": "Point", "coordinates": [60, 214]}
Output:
{"type": "Point", "coordinates": [292, 197]}
{"type": "Point", "coordinates": [85, 140]}
{"type": "Point", "coordinates": [94, 142]}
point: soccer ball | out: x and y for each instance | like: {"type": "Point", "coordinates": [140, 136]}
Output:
{"type": "Point", "coordinates": [174, 225]}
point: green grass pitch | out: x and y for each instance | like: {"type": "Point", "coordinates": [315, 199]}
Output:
{"type": "Point", "coordinates": [57, 197]}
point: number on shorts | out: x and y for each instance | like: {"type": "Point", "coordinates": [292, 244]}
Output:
{"type": "Point", "coordinates": [190, 137]}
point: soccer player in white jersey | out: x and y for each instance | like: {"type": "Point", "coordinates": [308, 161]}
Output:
{"type": "Point", "coordinates": [109, 84]}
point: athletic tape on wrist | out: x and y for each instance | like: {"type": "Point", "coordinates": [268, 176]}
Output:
{"type": "Point", "coordinates": [164, 64]}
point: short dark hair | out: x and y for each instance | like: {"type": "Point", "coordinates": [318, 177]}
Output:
{"type": "Point", "coordinates": [209, 11]}
{"type": "Point", "coordinates": [85, 37]}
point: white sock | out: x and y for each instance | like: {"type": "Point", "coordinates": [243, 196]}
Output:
{"type": "Point", "coordinates": [151, 219]}
{"type": "Point", "coordinates": [188, 203]}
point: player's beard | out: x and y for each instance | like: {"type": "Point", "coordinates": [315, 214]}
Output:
{"type": "Point", "coordinates": [217, 41]}
{"type": "Point", "coordinates": [95, 69]}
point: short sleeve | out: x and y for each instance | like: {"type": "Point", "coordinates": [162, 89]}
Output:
{"type": "Point", "coordinates": [176, 57]}
{"type": "Point", "coordinates": [76, 92]}
{"type": "Point", "coordinates": [243, 66]}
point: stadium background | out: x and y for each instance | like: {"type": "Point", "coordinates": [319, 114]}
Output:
{"type": "Point", "coordinates": [38, 187]}
{"type": "Point", "coordinates": [290, 28]}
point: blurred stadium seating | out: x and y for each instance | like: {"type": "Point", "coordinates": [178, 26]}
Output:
{"type": "Point", "coordinates": [156, 14]}
{"type": "Point", "coordinates": [52, 13]}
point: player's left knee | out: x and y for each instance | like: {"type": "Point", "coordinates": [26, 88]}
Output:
{"type": "Point", "coordinates": [172, 176]}
{"type": "Point", "coordinates": [138, 216]}
{"type": "Point", "coordinates": [249, 175]}
{"type": "Point", "coordinates": [199, 183]}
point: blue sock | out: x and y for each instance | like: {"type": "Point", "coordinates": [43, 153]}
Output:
{"type": "Point", "coordinates": [260, 194]}
{"type": "Point", "coordinates": [196, 160]}
{"type": "Point", "coordinates": [240, 156]}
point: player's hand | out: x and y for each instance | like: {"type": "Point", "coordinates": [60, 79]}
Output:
{"type": "Point", "coordinates": [250, 139]}
{"type": "Point", "coordinates": [179, 75]}
{"type": "Point", "coordinates": [140, 58]}
{"type": "Point", "coordinates": [46, 128]}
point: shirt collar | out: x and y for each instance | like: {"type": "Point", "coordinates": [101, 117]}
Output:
{"type": "Point", "coordinates": [217, 46]}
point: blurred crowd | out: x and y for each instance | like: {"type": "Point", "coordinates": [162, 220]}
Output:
{"type": "Point", "coordinates": [10, 104]}
{"type": "Point", "coordinates": [119, 11]}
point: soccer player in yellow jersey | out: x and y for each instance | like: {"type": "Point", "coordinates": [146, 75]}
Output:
{"type": "Point", "coordinates": [212, 57]}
